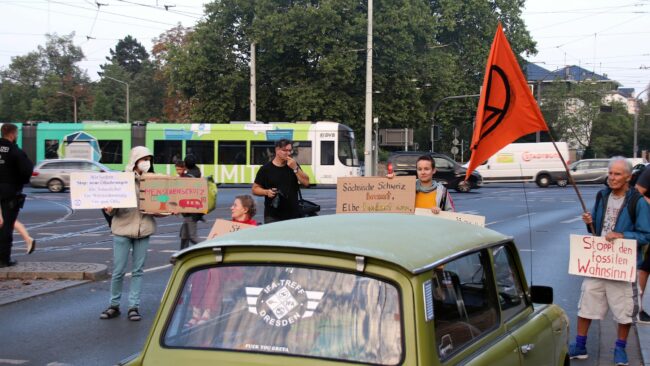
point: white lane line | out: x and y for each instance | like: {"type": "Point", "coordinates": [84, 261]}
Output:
{"type": "Point", "coordinates": [470, 212]}
{"type": "Point", "coordinates": [168, 251]}
{"type": "Point", "coordinates": [165, 236]}
{"type": "Point", "coordinates": [151, 269]}
{"type": "Point", "coordinates": [92, 234]}
{"type": "Point", "coordinates": [526, 250]}
{"type": "Point", "coordinates": [571, 220]}
{"type": "Point", "coordinates": [527, 214]}
{"type": "Point", "coordinates": [95, 248]}
{"type": "Point", "coordinates": [12, 362]}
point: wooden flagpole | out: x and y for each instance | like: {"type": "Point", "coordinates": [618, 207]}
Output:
{"type": "Point", "coordinates": [573, 183]}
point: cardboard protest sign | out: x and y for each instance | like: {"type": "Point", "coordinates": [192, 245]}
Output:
{"type": "Point", "coordinates": [98, 190]}
{"type": "Point", "coordinates": [163, 194]}
{"type": "Point", "coordinates": [375, 194]}
{"type": "Point", "coordinates": [455, 216]}
{"type": "Point", "coordinates": [222, 227]}
{"type": "Point", "coordinates": [593, 256]}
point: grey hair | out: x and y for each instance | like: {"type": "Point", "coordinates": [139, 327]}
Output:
{"type": "Point", "coordinates": [626, 163]}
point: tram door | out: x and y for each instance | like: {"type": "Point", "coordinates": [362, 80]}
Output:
{"type": "Point", "coordinates": [325, 159]}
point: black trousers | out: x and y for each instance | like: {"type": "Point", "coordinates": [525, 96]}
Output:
{"type": "Point", "coordinates": [10, 209]}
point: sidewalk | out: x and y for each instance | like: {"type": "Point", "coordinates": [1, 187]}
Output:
{"type": "Point", "coordinates": [29, 279]}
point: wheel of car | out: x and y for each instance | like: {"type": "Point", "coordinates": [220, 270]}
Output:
{"type": "Point", "coordinates": [562, 182]}
{"type": "Point", "coordinates": [463, 186]}
{"type": "Point", "coordinates": [543, 180]}
{"type": "Point", "coordinates": [55, 185]}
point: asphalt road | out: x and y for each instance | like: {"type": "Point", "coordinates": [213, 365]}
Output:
{"type": "Point", "coordinates": [63, 328]}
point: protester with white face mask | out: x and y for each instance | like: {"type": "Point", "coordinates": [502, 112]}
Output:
{"type": "Point", "coordinates": [131, 231]}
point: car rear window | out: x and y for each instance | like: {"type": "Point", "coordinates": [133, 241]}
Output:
{"type": "Point", "coordinates": [288, 310]}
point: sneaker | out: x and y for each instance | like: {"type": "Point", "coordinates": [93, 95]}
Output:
{"type": "Point", "coordinates": [620, 357]}
{"type": "Point", "coordinates": [644, 317]}
{"type": "Point", "coordinates": [577, 352]}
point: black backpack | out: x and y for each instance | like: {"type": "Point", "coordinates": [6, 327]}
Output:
{"type": "Point", "coordinates": [631, 203]}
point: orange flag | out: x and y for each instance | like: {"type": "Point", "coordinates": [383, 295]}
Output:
{"type": "Point", "coordinates": [507, 109]}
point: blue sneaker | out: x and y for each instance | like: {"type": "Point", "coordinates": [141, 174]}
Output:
{"type": "Point", "coordinates": [620, 356]}
{"type": "Point", "coordinates": [577, 352]}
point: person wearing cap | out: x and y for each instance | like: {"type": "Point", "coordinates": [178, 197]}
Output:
{"type": "Point", "coordinates": [131, 230]}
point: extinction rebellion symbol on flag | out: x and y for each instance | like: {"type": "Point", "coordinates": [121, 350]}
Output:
{"type": "Point", "coordinates": [282, 302]}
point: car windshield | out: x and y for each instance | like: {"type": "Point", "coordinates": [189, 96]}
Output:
{"type": "Point", "coordinates": [289, 310]}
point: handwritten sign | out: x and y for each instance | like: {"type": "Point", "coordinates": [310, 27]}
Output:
{"type": "Point", "coordinates": [223, 227]}
{"type": "Point", "coordinates": [455, 216]}
{"type": "Point", "coordinates": [98, 190]}
{"type": "Point", "coordinates": [593, 256]}
{"type": "Point", "coordinates": [375, 194]}
{"type": "Point", "coordinates": [162, 194]}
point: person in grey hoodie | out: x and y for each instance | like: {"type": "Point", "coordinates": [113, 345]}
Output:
{"type": "Point", "coordinates": [131, 231]}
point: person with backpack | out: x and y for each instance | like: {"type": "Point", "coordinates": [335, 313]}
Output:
{"type": "Point", "coordinates": [189, 227]}
{"type": "Point", "coordinates": [618, 213]}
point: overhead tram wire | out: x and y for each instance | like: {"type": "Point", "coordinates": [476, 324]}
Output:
{"type": "Point", "coordinates": [578, 18]}
{"type": "Point", "coordinates": [165, 8]}
{"type": "Point", "coordinates": [111, 13]}
{"type": "Point", "coordinates": [627, 21]}
{"type": "Point", "coordinates": [584, 10]}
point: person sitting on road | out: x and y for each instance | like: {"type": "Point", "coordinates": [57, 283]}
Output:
{"type": "Point", "coordinates": [610, 218]}
{"type": "Point", "coordinates": [430, 194]}
{"type": "Point", "coordinates": [131, 230]}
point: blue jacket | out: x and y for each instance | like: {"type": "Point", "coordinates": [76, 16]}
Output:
{"type": "Point", "coordinates": [639, 231]}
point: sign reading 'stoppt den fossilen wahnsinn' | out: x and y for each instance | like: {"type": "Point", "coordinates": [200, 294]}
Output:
{"type": "Point", "coordinates": [593, 256]}
{"type": "Point", "coordinates": [98, 190]}
{"type": "Point", "coordinates": [164, 194]}
{"type": "Point", "coordinates": [375, 194]}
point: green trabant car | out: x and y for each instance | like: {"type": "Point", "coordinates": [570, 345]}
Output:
{"type": "Point", "coordinates": [379, 289]}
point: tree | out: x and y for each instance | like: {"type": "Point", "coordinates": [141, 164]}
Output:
{"type": "Point", "coordinates": [129, 54]}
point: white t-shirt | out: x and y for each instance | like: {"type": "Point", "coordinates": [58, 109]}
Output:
{"type": "Point", "coordinates": [614, 205]}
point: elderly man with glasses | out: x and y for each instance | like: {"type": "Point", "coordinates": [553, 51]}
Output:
{"type": "Point", "coordinates": [278, 181]}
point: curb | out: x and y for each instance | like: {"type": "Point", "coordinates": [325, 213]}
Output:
{"type": "Point", "coordinates": [643, 332]}
{"type": "Point", "coordinates": [55, 271]}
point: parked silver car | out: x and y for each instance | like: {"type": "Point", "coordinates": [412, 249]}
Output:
{"type": "Point", "coordinates": [55, 174]}
{"type": "Point", "coordinates": [590, 170]}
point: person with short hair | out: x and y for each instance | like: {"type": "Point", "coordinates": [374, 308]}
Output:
{"type": "Point", "coordinates": [611, 219]}
{"type": "Point", "coordinates": [278, 181]}
{"type": "Point", "coordinates": [15, 171]}
{"type": "Point", "coordinates": [189, 228]}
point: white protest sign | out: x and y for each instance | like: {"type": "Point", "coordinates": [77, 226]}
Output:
{"type": "Point", "coordinates": [593, 256]}
{"type": "Point", "coordinates": [455, 216]}
{"type": "Point", "coordinates": [99, 190]}
{"type": "Point", "coordinates": [222, 227]}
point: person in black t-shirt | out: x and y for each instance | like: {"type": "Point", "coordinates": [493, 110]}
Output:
{"type": "Point", "coordinates": [278, 182]}
{"type": "Point", "coordinates": [643, 186]}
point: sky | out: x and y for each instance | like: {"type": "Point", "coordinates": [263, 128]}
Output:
{"type": "Point", "coordinates": [604, 36]}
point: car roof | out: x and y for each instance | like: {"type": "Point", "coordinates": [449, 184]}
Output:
{"type": "Point", "coordinates": [415, 243]}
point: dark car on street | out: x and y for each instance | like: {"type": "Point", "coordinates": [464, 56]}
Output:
{"type": "Point", "coordinates": [448, 172]}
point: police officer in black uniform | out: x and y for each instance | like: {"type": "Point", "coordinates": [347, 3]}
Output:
{"type": "Point", "coordinates": [15, 171]}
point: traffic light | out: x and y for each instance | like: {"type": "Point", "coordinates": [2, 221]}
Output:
{"type": "Point", "coordinates": [437, 133]}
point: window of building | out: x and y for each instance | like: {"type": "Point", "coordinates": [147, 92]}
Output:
{"type": "Point", "coordinates": [463, 301]}
{"type": "Point", "coordinates": [167, 151]}
{"type": "Point", "coordinates": [203, 151]}
{"type": "Point", "coordinates": [111, 151]}
{"type": "Point", "coordinates": [262, 152]}
{"type": "Point", "coordinates": [327, 153]}
{"type": "Point", "coordinates": [232, 153]}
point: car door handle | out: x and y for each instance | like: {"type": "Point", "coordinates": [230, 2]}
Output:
{"type": "Point", "coordinates": [527, 348]}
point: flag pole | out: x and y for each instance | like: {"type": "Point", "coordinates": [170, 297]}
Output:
{"type": "Point", "coordinates": [573, 182]}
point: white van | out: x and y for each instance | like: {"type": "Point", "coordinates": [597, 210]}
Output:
{"type": "Point", "coordinates": [524, 162]}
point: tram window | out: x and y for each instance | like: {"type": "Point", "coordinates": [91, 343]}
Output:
{"type": "Point", "coordinates": [51, 149]}
{"type": "Point", "coordinates": [262, 152]}
{"type": "Point", "coordinates": [347, 153]}
{"type": "Point", "coordinates": [327, 153]}
{"type": "Point", "coordinates": [203, 151]}
{"type": "Point", "coordinates": [167, 152]}
{"type": "Point", "coordinates": [232, 152]}
{"type": "Point", "coordinates": [111, 151]}
{"type": "Point", "coordinates": [302, 152]}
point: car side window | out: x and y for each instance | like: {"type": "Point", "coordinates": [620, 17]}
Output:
{"type": "Point", "coordinates": [512, 298]}
{"type": "Point", "coordinates": [465, 308]}
{"type": "Point", "coordinates": [443, 164]}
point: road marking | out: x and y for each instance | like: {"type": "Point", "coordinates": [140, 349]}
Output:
{"type": "Point", "coordinates": [526, 250]}
{"type": "Point", "coordinates": [471, 212]}
{"type": "Point", "coordinates": [12, 362]}
{"type": "Point", "coordinates": [92, 234]}
{"type": "Point", "coordinates": [95, 248]}
{"type": "Point", "coordinates": [527, 214]}
{"type": "Point", "coordinates": [165, 236]}
{"type": "Point", "coordinates": [168, 251]}
{"type": "Point", "coordinates": [151, 269]}
{"type": "Point", "coordinates": [571, 220]}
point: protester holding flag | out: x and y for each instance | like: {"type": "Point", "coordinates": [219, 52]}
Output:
{"type": "Point", "coordinates": [613, 218]}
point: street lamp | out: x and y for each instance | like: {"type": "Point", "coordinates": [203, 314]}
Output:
{"type": "Point", "coordinates": [636, 123]}
{"type": "Point", "coordinates": [127, 95]}
{"type": "Point", "coordinates": [74, 100]}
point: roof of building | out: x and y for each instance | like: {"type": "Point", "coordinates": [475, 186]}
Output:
{"type": "Point", "coordinates": [568, 73]}
{"type": "Point", "coordinates": [412, 242]}
{"type": "Point", "coordinates": [626, 92]}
